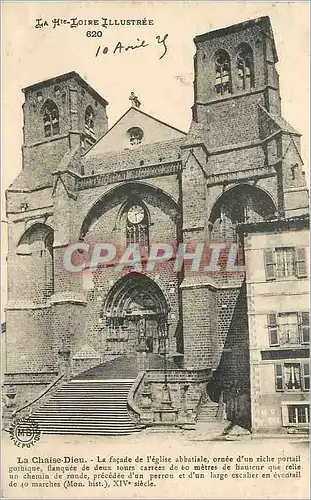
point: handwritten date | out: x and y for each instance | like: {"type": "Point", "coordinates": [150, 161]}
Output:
{"type": "Point", "coordinates": [120, 48]}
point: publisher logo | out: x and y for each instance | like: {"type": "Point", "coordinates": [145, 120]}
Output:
{"type": "Point", "coordinates": [24, 432]}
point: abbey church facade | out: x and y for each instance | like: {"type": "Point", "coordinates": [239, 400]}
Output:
{"type": "Point", "coordinates": [168, 341]}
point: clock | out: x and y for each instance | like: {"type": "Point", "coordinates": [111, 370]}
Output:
{"type": "Point", "coordinates": [136, 214]}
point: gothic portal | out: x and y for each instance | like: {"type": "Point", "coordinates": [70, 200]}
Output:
{"type": "Point", "coordinates": [136, 314]}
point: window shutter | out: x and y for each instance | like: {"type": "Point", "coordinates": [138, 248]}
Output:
{"type": "Point", "coordinates": [304, 327]}
{"type": "Point", "coordinates": [279, 377]}
{"type": "Point", "coordinates": [273, 329]}
{"type": "Point", "coordinates": [306, 376]}
{"type": "Point", "coordinates": [269, 258]}
{"type": "Point", "coordinates": [300, 263]}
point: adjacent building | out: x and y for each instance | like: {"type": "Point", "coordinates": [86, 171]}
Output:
{"type": "Point", "coordinates": [277, 283]}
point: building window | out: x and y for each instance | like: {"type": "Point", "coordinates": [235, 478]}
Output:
{"type": "Point", "coordinates": [285, 262]}
{"type": "Point", "coordinates": [137, 227]}
{"type": "Point", "coordinates": [288, 328]}
{"type": "Point", "coordinates": [223, 73]}
{"type": "Point", "coordinates": [89, 121]}
{"type": "Point", "coordinates": [245, 68]}
{"type": "Point", "coordinates": [292, 376]}
{"type": "Point", "coordinates": [299, 414]}
{"type": "Point", "coordinates": [51, 119]}
{"type": "Point", "coordinates": [135, 135]}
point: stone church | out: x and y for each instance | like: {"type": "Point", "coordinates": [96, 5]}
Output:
{"type": "Point", "coordinates": [106, 351]}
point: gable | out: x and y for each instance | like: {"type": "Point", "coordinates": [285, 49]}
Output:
{"type": "Point", "coordinates": [118, 136]}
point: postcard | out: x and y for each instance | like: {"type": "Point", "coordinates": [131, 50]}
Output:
{"type": "Point", "coordinates": [155, 250]}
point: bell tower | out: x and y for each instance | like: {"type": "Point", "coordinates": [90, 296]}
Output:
{"type": "Point", "coordinates": [237, 104]}
{"type": "Point", "coordinates": [234, 73]}
{"type": "Point", "coordinates": [60, 114]}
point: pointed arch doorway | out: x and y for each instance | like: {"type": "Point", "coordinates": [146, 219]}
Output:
{"type": "Point", "coordinates": [136, 313]}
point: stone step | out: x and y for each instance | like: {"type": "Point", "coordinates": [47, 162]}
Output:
{"type": "Point", "coordinates": [209, 418]}
{"type": "Point", "coordinates": [93, 394]}
{"type": "Point", "coordinates": [109, 424]}
{"type": "Point", "coordinates": [89, 416]}
{"type": "Point", "coordinates": [77, 401]}
{"type": "Point", "coordinates": [98, 408]}
{"type": "Point", "coordinates": [100, 390]}
{"type": "Point", "coordinates": [93, 400]}
{"type": "Point", "coordinates": [91, 432]}
{"type": "Point", "coordinates": [74, 429]}
{"type": "Point", "coordinates": [84, 405]}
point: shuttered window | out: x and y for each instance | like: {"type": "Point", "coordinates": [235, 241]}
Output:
{"type": "Point", "coordinates": [290, 328]}
{"type": "Point", "coordinates": [292, 376]}
{"type": "Point", "coordinates": [285, 262]}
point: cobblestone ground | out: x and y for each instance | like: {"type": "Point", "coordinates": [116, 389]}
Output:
{"type": "Point", "coordinates": [222, 458]}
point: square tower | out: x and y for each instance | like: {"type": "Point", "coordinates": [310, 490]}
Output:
{"type": "Point", "coordinates": [60, 114]}
{"type": "Point", "coordinates": [234, 72]}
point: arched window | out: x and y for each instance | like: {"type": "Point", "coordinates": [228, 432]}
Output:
{"type": "Point", "coordinates": [245, 68]}
{"type": "Point", "coordinates": [137, 226]}
{"type": "Point", "coordinates": [89, 120]}
{"type": "Point", "coordinates": [50, 119]}
{"type": "Point", "coordinates": [223, 73]}
{"type": "Point", "coordinates": [241, 204]}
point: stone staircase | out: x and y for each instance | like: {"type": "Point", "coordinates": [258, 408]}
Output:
{"type": "Point", "coordinates": [90, 407]}
{"type": "Point", "coordinates": [208, 423]}
{"type": "Point", "coordinates": [208, 412]}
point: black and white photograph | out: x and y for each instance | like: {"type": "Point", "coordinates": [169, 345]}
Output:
{"type": "Point", "coordinates": [155, 250]}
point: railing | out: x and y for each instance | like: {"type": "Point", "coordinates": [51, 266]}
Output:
{"type": "Point", "coordinates": [250, 173]}
{"type": "Point", "coordinates": [48, 391]}
{"type": "Point", "coordinates": [134, 410]}
{"type": "Point", "coordinates": [127, 175]}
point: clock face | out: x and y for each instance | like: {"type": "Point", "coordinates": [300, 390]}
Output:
{"type": "Point", "coordinates": [136, 214]}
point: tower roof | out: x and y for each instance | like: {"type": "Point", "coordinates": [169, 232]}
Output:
{"type": "Point", "coordinates": [264, 22]}
{"type": "Point", "coordinates": [63, 77]}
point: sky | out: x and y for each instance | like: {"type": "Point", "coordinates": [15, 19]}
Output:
{"type": "Point", "coordinates": [164, 86]}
